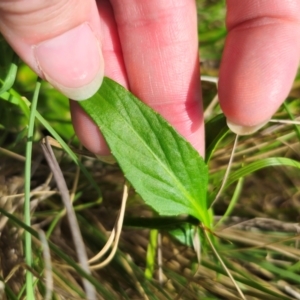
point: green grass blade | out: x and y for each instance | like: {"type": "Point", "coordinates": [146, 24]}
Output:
{"type": "Point", "coordinates": [211, 36]}
{"type": "Point", "coordinates": [27, 216]}
{"type": "Point", "coordinates": [13, 97]}
{"type": "Point", "coordinates": [260, 164]}
{"type": "Point", "coordinates": [151, 253]}
{"type": "Point", "coordinates": [215, 130]}
{"type": "Point", "coordinates": [281, 272]}
{"type": "Point", "coordinates": [11, 75]}
{"type": "Point", "coordinates": [262, 287]}
{"type": "Point", "coordinates": [233, 201]}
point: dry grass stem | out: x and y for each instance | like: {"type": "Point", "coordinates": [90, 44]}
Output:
{"type": "Point", "coordinates": [75, 230]}
{"type": "Point", "coordinates": [48, 266]}
{"type": "Point", "coordinates": [160, 260]}
{"type": "Point", "coordinates": [115, 233]}
{"type": "Point", "coordinates": [292, 122]}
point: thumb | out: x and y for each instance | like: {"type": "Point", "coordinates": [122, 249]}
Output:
{"type": "Point", "coordinates": [59, 40]}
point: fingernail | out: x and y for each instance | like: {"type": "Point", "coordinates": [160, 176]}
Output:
{"type": "Point", "coordinates": [244, 130]}
{"type": "Point", "coordinates": [72, 62]}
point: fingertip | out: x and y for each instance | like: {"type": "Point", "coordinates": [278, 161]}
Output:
{"type": "Point", "coordinates": [257, 71]}
{"type": "Point", "coordinates": [72, 62]}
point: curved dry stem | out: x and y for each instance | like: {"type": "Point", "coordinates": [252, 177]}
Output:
{"type": "Point", "coordinates": [105, 248]}
{"type": "Point", "coordinates": [115, 233]}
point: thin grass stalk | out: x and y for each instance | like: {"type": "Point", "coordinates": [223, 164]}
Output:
{"type": "Point", "coordinates": [227, 171]}
{"type": "Point", "coordinates": [233, 202]}
{"type": "Point", "coordinates": [11, 75]}
{"type": "Point", "coordinates": [223, 265]}
{"type": "Point", "coordinates": [27, 216]}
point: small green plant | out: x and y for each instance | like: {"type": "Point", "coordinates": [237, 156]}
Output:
{"type": "Point", "coordinates": [161, 165]}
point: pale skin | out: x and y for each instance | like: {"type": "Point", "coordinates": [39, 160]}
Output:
{"type": "Point", "coordinates": [151, 48]}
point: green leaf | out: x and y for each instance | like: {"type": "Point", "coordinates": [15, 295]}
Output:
{"type": "Point", "coordinates": [162, 166]}
{"type": "Point", "coordinates": [184, 234]}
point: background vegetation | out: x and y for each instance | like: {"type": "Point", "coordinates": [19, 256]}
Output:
{"type": "Point", "coordinates": [157, 258]}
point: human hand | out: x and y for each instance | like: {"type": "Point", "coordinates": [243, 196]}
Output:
{"type": "Point", "coordinates": [151, 47]}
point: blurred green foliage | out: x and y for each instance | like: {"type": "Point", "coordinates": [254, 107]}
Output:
{"type": "Point", "coordinates": [14, 114]}
{"type": "Point", "coordinates": [211, 28]}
